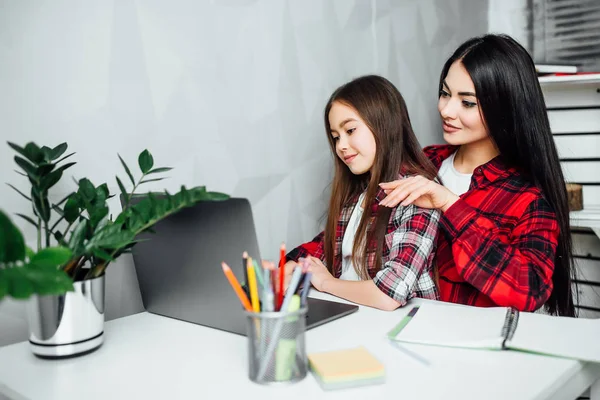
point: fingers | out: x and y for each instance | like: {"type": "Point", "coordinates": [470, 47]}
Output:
{"type": "Point", "coordinates": [390, 185]}
{"type": "Point", "coordinates": [402, 190]}
{"type": "Point", "coordinates": [414, 195]}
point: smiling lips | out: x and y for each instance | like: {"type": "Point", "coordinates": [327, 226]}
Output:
{"type": "Point", "coordinates": [348, 159]}
{"type": "Point", "coordinates": [448, 128]}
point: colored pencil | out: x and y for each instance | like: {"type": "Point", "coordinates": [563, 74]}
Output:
{"type": "Point", "coordinates": [236, 286]}
{"type": "Point", "coordinates": [253, 287]}
{"type": "Point", "coordinates": [280, 289]}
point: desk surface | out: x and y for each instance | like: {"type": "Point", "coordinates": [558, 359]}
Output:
{"type": "Point", "coordinates": [148, 356]}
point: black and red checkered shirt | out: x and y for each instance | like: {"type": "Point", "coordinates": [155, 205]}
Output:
{"type": "Point", "coordinates": [496, 245]}
{"type": "Point", "coordinates": [407, 256]}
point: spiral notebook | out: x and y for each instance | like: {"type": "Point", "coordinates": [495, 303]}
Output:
{"type": "Point", "coordinates": [500, 328]}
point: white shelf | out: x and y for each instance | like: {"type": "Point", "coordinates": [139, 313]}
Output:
{"type": "Point", "coordinates": [589, 217]}
{"type": "Point", "coordinates": [581, 78]}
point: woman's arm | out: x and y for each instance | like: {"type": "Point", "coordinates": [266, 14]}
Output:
{"type": "Point", "coordinates": [516, 272]}
{"type": "Point", "coordinates": [410, 245]}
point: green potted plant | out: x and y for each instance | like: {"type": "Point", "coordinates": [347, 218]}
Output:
{"type": "Point", "coordinates": [24, 272]}
{"type": "Point", "coordinates": [83, 224]}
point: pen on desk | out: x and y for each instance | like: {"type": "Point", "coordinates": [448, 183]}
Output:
{"type": "Point", "coordinates": [281, 277]}
{"type": "Point", "coordinates": [268, 296]}
{"type": "Point", "coordinates": [291, 288]}
{"type": "Point", "coordinates": [305, 288]}
{"type": "Point", "coordinates": [236, 286]}
{"type": "Point", "coordinates": [252, 286]}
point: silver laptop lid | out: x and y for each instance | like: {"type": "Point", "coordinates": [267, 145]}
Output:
{"type": "Point", "coordinates": [179, 266]}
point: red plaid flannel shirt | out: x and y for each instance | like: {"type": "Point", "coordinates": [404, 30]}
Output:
{"type": "Point", "coordinates": [406, 269]}
{"type": "Point", "coordinates": [497, 244]}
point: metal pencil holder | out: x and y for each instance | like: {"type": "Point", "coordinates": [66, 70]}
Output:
{"type": "Point", "coordinates": [276, 346]}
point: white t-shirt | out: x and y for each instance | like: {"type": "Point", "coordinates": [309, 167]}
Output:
{"type": "Point", "coordinates": [457, 182]}
{"type": "Point", "coordinates": [348, 271]}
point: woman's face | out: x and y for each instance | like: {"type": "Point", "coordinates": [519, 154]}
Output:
{"type": "Point", "coordinates": [354, 141]}
{"type": "Point", "coordinates": [461, 118]}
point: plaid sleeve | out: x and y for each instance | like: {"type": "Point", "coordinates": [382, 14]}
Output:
{"type": "Point", "coordinates": [411, 245]}
{"type": "Point", "coordinates": [516, 272]}
{"type": "Point", "coordinates": [313, 248]}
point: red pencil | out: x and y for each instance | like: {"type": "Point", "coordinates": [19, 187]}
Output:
{"type": "Point", "coordinates": [281, 276]}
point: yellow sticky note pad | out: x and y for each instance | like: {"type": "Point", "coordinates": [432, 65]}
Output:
{"type": "Point", "coordinates": [346, 368]}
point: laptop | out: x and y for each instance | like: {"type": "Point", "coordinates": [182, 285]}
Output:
{"type": "Point", "coordinates": [179, 266]}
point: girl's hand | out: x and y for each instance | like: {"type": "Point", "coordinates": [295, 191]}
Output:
{"type": "Point", "coordinates": [319, 271]}
{"type": "Point", "coordinates": [419, 191]}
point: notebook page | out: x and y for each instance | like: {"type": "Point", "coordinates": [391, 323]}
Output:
{"type": "Point", "coordinates": [455, 326]}
{"type": "Point", "coordinates": [577, 338]}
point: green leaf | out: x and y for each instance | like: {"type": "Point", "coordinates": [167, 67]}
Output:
{"type": "Point", "coordinates": [104, 190]}
{"type": "Point", "coordinates": [109, 239]}
{"type": "Point", "coordinates": [18, 191]}
{"type": "Point", "coordinates": [216, 196]}
{"type": "Point", "coordinates": [96, 215]}
{"type": "Point", "coordinates": [20, 173]}
{"type": "Point", "coordinates": [31, 151]}
{"type": "Point", "coordinates": [29, 252]}
{"type": "Point", "coordinates": [44, 169]}
{"type": "Point", "coordinates": [127, 170]}
{"type": "Point", "coordinates": [86, 190]}
{"type": "Point", "coordinates": [41, 206]}
{"type": "Point", "coordinates": [60, 238]}
{"type": "Point", "coordinates": [18, 149]}
{"type": "Point", "coordinates": [77, 237]}
{"type": "Point", "coordinates": [145, 161]}
{"type": "Point", "coordinates": [102, 254]}
{"type": "Point", "coordinates": [3, 284]}
{"type": "Point", "coordinates": [30, 279]}
{"type": "Point", "coordinates": [159, 170]}
{"type": "Point", "coordinates": [58, 151]}
{"type": "Point", "coordinates": [65, 157]}
{"type": "Point", "coordinates": [27, 167]}
{"type": "Point", "coordinates": [46, 151]}
{"type": "Point", "coordinates": [19, 285]}
{"type": "Point", "coordinates": [151, 180]}
{"type": "Point", "coordinates": [123, 190]}
{"type": "Point", "coordinates": [34, 153]}
{"type": "Point", "coordinates": [28, 219]}
{"type": "Point", "coordinates": [50, 180]}
{"type": "Point", "coordinates": [51, 257]}
{"type": "Point", "coordinates": [58, 210]}
{"type": "Point", "coordinates": [71, 210]}
{"type": "Point", "coordinates": [12, 244]}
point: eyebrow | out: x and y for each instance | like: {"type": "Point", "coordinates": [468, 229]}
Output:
{"type": "Point", "coordinates": [344, 122]}
{"type": "Point", "coordinates": [460, 93]}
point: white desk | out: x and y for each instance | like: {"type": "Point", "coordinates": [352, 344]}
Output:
{"type": "Point", "coordinates": [150, 357]}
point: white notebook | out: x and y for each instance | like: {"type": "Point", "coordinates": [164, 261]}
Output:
{"type": "Point", "coordinates": [499, 328]}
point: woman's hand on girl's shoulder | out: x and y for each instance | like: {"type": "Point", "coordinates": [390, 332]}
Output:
{"type": "Point", "coordinates": [419, 191]}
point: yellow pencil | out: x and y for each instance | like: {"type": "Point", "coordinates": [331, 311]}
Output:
{"type": "Point", "coordinates": [253, 287]}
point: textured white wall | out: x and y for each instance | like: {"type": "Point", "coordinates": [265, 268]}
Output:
{"type": "Point", "coordinates": [228, 92]}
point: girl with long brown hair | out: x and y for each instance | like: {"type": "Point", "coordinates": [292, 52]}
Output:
{"type": "Point", "coordinates": [371, 255]}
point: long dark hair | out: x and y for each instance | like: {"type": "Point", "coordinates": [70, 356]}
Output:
{"type": "Point", "coordinates": [381, 106]}
{"type": "Point", "coordinates": [514, 112]}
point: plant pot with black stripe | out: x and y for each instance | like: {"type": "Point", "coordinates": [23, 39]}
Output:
{"type": "Point", "coordinates": [70, 324]}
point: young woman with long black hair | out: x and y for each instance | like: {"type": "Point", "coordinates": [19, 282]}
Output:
{"type": "Point", "coordinates": [504, 236]}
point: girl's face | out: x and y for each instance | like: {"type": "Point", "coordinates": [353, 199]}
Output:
{"type": "Point", "coordinates": [461, 119]}
{"type": "Point", "coordinates": [354, 141]}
